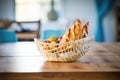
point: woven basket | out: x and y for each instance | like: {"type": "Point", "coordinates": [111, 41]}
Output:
{"type": "Point", "coordinates": [68, 51]}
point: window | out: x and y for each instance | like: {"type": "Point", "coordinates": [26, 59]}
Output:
{"type": "Point", "coordinates": [33, 10]}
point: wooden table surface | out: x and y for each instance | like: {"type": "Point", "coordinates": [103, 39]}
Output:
{"type": "Point", "coordinates": [22, 61]}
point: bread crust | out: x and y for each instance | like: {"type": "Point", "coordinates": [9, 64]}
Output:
{"type": "Point", "coordinates": [77, 31]}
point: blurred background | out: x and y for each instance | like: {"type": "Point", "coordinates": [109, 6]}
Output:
{"type": "Point", "coordinates": [22, 20]}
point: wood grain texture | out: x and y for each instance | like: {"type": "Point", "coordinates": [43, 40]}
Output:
{"type": "Point", "coordinates": [61, 76]}
{"type": "Point", "coordinates": [21, 61]}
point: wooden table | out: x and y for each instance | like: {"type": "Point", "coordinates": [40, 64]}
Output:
{"type": "Point", "coordinates": [21, 61]}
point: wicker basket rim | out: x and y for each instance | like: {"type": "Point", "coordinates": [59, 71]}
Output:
{"type": "Point", "coordinates": [42, 41]}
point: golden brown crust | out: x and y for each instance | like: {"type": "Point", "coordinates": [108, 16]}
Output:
{"type": "Point", "coordinates": [65, 37]}
{"type": "Point", "coordinates": [85, 30]}
{"type": "Point", "coordinates": [77, 31]}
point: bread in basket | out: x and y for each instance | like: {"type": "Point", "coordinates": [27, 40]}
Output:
{"type": "Point", "coordinates": [73, 45]}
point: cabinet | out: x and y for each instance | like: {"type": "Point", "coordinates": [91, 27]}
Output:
{"type": "Point", "coordinates": [28, 34]}
{"type": "Point", "coordinates": [29, 29]}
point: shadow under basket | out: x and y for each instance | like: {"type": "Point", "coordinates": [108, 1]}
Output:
{"type": "Point", "coordinates": [64, 52]}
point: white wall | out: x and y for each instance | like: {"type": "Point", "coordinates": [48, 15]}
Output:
{"type": "Point", "coordinates": [83, 9]}
{"type": "Point", "coordinates": [109, 24]}
{"type": "Point", "coordinates": [7, 9]}
{"type": "Point", "coordinates": [86, 10]}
